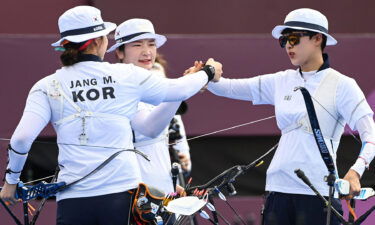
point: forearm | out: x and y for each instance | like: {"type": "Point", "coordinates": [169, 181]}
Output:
{"type": "Point", "coordinates": [184, 87]}
{"type": "Point", "coordinates": [232, 88]}
{"type": "Point", "coordinates": [151, 124]}
{"type": "Point", "coordinates": [27, 130]}
{"type": "Point", "coordinates": [366, 129]}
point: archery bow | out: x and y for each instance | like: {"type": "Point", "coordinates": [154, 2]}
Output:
{"type": "Point", "coordinates": [47, 190]}
{"type": "Point", "coordinates": [327, 158]}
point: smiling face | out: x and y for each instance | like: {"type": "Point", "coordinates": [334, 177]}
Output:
{"type": "Point", "coordinates": [141, 53]}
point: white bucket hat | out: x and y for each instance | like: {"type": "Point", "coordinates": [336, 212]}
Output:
{"type": "Point", "coordinates": [134, 30]}
{"type": "Point", "coordinates": [305, 19]}
{"type": "Point", "coordinates": [82, 23]}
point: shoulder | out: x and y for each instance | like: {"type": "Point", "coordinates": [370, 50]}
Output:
{"type": "Point", "coordinates": [347, 86]}
{"type": "Point", "coordinates": [43, 83]}
{"type": "Point", "coordinates": [344, 80]}
{"type": "Point", "coordinates": [281, 75]}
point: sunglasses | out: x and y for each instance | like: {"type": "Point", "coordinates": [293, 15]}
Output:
{"type": "Point", "coordinates": [292, 38]}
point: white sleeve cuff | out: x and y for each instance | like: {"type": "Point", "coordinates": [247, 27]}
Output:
{"type": "Point", "coordinates": [359, 166]}
{"type": "Point", "coordinates": [16, 163]}
{"type": "Point", "coordinates": [12, 178]}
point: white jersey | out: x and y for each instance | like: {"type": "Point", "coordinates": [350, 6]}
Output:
{"type": "Point", "coordinates": [118, 89]}
{"type": "Point", "coordinates": [297, 148]}
{"type": "Point", "coordinates": [156, 172]}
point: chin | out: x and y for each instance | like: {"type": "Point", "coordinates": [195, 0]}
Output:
{"type": "Point", "coordinates": [295, 62]}
{"type": "Point", "coordinates": [147, 67]}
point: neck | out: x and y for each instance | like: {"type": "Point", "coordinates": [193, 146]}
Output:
{"type": "Point", "coordinates": [314, 63]}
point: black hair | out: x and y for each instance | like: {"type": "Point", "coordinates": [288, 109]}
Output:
{"type": "Point", "coordinates": [310, 34]}
{"type": "Point", "coordinates": [71, 54]}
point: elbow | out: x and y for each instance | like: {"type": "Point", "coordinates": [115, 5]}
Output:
{"type": "Point", "coordinates": [149, 132]}
{"type": "Point", "coordinates": [153, 134]}
{"type": "Point", "coordinates": [186, 95]}
{"type": "Point", "coordinates": [21, 144]}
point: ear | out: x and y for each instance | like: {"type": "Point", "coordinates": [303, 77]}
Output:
{"type": "Point", "coordinates": [318, 38]}
{"type": "Point", "coordinates": [98, 41]}
{"type": "Point", "coordinates": [120, 55]}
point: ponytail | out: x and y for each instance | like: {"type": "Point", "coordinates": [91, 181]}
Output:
{"type": "Point", "coordinates": [72, 52]}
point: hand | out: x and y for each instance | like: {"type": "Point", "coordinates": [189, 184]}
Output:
{"type": "Point", "coordinates": [180, 190]}
{"type": "Point", "coordinates": [185, 161]}
{"type": "Point", "coordinates": [197, 66]}
{"type": "Point", "coordinates": [355, 186]}
{"type": "Point", "coordinates": [218, 69]}
{"type": "Point", "coordinates": [8, 193]}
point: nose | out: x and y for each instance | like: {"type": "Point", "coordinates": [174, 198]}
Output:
{"type": "Point", "coordinates": [288, 45]}
{"type": "Point", "coordinates": [146, 50]}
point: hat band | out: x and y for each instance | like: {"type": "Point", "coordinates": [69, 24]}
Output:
{"type": "Point", "coordinates": [85, 30]}
{"type": "Point", "coordinates": [306, 25]}
{"type": "Point", "coordinates": [128, 37]}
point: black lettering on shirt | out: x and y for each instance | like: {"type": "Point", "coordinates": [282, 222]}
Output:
{"type": "Point", "coordinates": [77, 96]}
{"type": "Point", "coordinates": [93, 94]}
{"type": "Point", "coordinates": [108, 91]}
{"type": "Point", "coordinates": [107, 80]}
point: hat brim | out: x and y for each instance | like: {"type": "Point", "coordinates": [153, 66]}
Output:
{"type": "Point", "coordinates": [109, 27]}
{"type": "Point", "coordinates": [276, 33]}
{"type": "Point", "coordinates": [159, 40]}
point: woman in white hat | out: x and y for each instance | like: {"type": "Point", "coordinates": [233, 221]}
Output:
{"type": "Point", "coordinates": [304, 36]}
{"type": "Point", "coordinates": [91, 104]}
{"type": "Point", "coordinates": [137, 43]}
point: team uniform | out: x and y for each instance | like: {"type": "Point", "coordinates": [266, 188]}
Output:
{"type": "Point", "coordinates": [156, 172]}
{"type": "Point", "coordinates": [91, 105]}
{"type": "Point", "coordinates": [339, 100]}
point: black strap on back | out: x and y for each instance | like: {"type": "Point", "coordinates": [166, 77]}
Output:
{"type": "Point", "coordinates": [324, 152]}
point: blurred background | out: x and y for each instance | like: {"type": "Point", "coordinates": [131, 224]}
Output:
{"type": "Point", "coordinates": [236, 33]}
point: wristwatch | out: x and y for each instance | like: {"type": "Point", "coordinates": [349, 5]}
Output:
{"type": "Point", "coordinates": [210, 71]}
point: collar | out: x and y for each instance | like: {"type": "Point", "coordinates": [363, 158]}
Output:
{"type": "Point", "coordinates": [89, 57]}
{"type": "Point", "coordinates": [324, 66]}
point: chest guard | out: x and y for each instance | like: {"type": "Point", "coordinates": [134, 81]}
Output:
{"type": "Point", "coordinates": [324, 99]}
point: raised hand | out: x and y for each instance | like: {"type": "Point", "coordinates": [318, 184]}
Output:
{"type": "Point", "coordinates": [218, 68]}
{"type": "Point", "coordinates": [197, 66]}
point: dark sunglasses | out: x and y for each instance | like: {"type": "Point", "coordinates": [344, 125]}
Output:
{"type": "Point", "coordinates": [292, 38]}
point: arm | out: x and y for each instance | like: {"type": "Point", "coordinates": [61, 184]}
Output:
{"type": "Point", "coordinates": [259, 89]}
{"type": "Point", "coordinates": [173, 90]}
{"type": "Point", "coordinates": [151, 124]}
{"type": "Point", "coordinates": [184, 87]}
{"type": "Point", "coordinates": [36, 115]}
{"type": "Point", "coordinates": [366, 129]}
{"type": "Point", "coordinates": [232, 88]}
{"type": "Point", "coordinates": [27, 130]}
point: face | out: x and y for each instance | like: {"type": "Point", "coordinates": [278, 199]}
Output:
{"type": "Point", "coordinates": [300, 47]}
{"type": "Point", "coordinates": [141, 53]}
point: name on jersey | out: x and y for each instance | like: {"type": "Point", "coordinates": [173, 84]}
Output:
{"type": "Point", "coordinates": [92, 94]}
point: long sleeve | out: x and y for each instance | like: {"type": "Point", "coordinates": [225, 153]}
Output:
{"type": "Point", "coordinates": [151, 124]}
{"type": "Point", "coordinates": [184, 87]}
{"type": "Point", "coordinates": [232, 88]}
{"type": "Point", "coordinates": [29, 127]}
{"type": "Point", "coordinates": [366, 129]}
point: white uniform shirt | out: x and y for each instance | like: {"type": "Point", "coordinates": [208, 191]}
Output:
{"type": "Point", "coordinates": [118, 89]}
{"type": "Point", "coordinates": [297, 149]}
{"type": "Point", "coordinates": [156, 172]}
